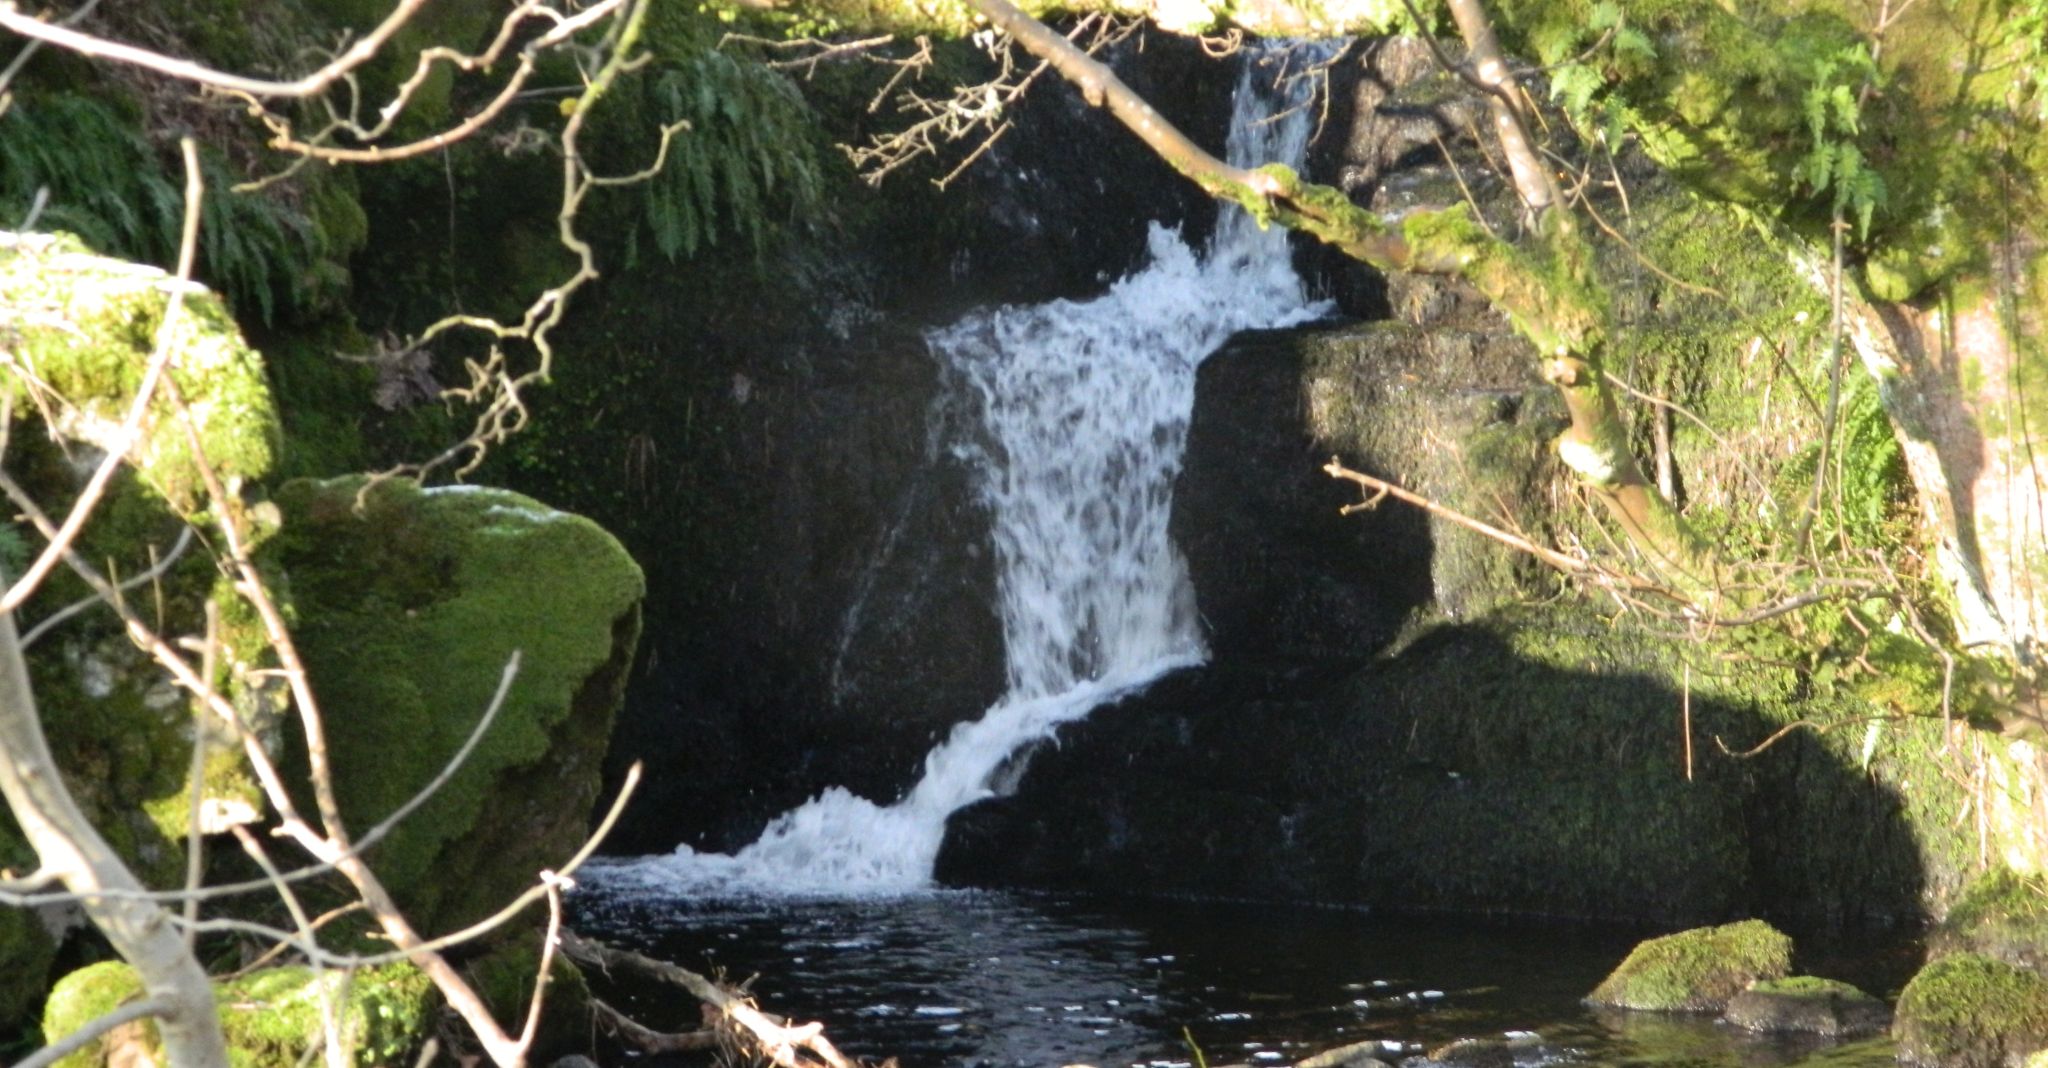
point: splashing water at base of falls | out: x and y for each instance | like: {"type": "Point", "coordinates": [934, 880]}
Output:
{"type": "Point", "coordinates": [1086, 406]}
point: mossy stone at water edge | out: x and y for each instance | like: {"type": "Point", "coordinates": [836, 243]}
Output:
{"type": "Point", "coordinates": [272, 1016]}
{"type": "Point", "coordinates": [1969, 1011]}
{"type": "Point", "coordinates": [2002, 915]}
{"type": "Point", "coordinates": [411, 603]}
{"type": "Point", "coordinates": [1809, 1005]}
{"type": "Point", "coordinates": [1697, 970]}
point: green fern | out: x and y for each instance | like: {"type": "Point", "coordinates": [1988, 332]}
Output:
{"type": "Point", "coordinates": [747, 163]}
{"type": "Point", "coordinates": [106, 183]}
{"type": "Point", "coordinates": [1868, 464]}
{"type": "Point", "coordinates": [1834, 167]}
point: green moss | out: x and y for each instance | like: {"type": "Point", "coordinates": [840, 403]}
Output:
{"type": "Point", "coordinates": [1804, 986]}
{"type": "Point", "coordinates": [2002, 915]}
{"type": "Point", "coordinates": [1967, 1011]}
{"type": "Point", "coordinates": [409, 610]}
{"type": "Point", "coordinates": [504, 979]}
{"type": "Point", "coordinates": [1698, 970]}
{"type": "Point", "coordinates": [89, 326]}
{"type": "Point", "coordinates": [84, 996]}
{"type": "Point", "coordinates": [1807, 1004]}
{"type": "Point", "coordinates": [271, 1017]}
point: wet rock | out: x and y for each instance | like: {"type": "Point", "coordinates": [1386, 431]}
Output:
{"type": "Point", "coordinates": [1969, 1011]}
{"type": "Point", "coordinates": [1697, 970]}
{"type": "Point", "coordinates": [1355, 1055]}
{"type": "Point", "coordinates": [2002, 915]}
{"type": "Point", "coordinates": [1808, 1005]}
{"type": "Point", "coordinates": [1469, 1053]}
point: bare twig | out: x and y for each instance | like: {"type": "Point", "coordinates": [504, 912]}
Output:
{"type": "Point", "coordinates": [1569, 564]}
{"type": "Point", "coordinates": [92, 1032]}
{"type": "Point", "coordinates": [647, 1040]}
{"type": "Point", "coordinates": [85, 44]}
{"type": "Point", "coordinates": [154, 572]}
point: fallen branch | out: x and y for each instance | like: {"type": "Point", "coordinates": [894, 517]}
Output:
{"type": "Point", "coordinates": [648, 1040]}
{"type": "Point", "coordinates": [778, 1042]}
{"type": "Point", "coordinates": [1382, 489]}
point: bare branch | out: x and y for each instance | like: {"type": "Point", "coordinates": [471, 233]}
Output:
{"type": "Point", "coordinates": [1569, 564]}
{"type": "Point", "coordinates": [85, 44]}
{"type": "Point", "coordinates": [791, 1047]}
{"type": "Point", "coordinates": [154, 572]}
{"type": "Point", "coordinates": [90, 1033]}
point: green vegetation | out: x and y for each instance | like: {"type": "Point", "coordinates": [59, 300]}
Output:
{"type": "Point", "coordinates": [87, 328]}
{"type": "Point", "coordinates": [108, 184]}
{"type": "Point", "coordinates": [1696, 971]}
{"type": "Point", "coordinates": [2002, 915]}
{"type": "Point", "coordinates": [747, 164]}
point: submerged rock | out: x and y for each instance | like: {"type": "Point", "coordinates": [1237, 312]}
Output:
{"type": "Point", "coordinates": [1469, 1053]}
{"type": "Point", "coordinates": [1697, 970]}
{"type": "Point", "coordinates": [1808, 1005]}
{"type": "Point", "coordinates": [1355, 1055]}
{"type": "Point", "coordinates": [1969, 1011]}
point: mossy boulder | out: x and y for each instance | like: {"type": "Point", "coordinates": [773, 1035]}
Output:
{"type": "Point", "coordinates": [412, 601]}
{"type": "Point", "coordinates": [271, 1016]}
{"type": "Point", "coordinates": [1970, 1011]}
{"type": "Point", "coordinates": [1697, 970]}
{"type": "Point", "coordinates": [83, 329]}
{"type": "Point", "coordinates": [2002, 915]}
{"type": "Point", "coordinates": [1809, 1005]}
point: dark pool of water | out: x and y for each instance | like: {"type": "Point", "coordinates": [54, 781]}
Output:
{"type": "Point", "coordinates": [996, 980]}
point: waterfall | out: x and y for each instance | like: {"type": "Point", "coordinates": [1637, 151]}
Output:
{"type": "Point", "coordinates": [1086, 407]}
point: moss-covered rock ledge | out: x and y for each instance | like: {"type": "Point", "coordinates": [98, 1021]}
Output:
{"type": "Point", "coordinates": [411, 601]}
{"type": "Point", "coordinates": [1698, 970]}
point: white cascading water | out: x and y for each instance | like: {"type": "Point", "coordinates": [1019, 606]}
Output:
{"type": "Point", "coordinates": [1086, 406]}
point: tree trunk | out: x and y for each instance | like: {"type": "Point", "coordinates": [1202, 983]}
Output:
{"type": "Point", "coordinates": [68, 848]}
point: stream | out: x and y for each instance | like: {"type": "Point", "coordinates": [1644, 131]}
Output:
{"type": "Point", "coordinates": [991, 979]}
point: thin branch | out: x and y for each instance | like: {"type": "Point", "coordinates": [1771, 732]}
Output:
{"type": "Point", "coordinates": [778, 1042]}
{"type": "Point", "coordinates": [92, 1032]}
{"type": "Point", "coordinates": [1568, 564]}
{"type": "Point", "coordinates": [154, 572]}
{"type": "Point", "coordinates": [29, 50]}
{"type": "Point", "coordinates": [93, 47]}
